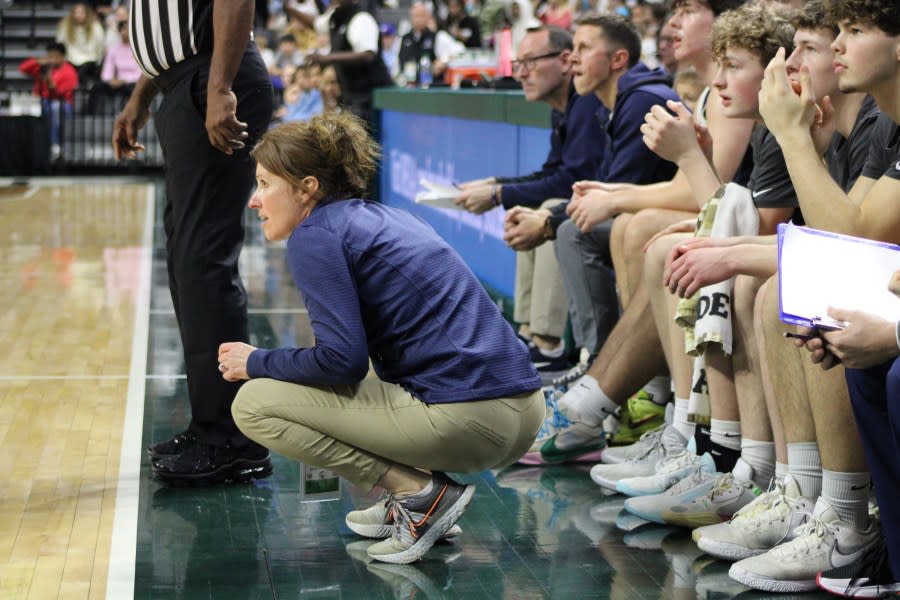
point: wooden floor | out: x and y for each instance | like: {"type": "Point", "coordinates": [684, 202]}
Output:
{"type": "Point", "coordinates": [70, 263]}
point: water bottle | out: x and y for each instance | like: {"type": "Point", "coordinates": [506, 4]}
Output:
{"type": "Point", "coordinates": [425, 78]}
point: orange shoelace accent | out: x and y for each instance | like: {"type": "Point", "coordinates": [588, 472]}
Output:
{"type": "Point", "coordinates": [413, 525]}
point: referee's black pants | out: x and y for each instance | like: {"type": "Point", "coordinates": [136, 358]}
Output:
{"type": "Point", "coordinates": [206, 192]}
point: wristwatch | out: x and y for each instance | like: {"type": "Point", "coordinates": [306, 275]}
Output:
{"type": "Point", "coordinates": [495, 199]}
{"type": "Point", "coordinates": [549, 234]}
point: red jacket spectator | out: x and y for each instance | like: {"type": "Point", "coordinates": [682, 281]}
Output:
{"type": "Point", "coordinates": [63, 79]}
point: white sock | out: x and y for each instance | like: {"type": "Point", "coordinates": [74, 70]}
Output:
{"type": "Point", "coordinates": [760, 456]}
{"type": "Point", "coordinates": [659, 389]}
{"type": "Point", "coordinates": [555, 352]}
{"type": "Point", "coordinates": [848, 495]}
{"type": "Point", "coordinates": [725, 433]}
{"type": "Point", "coordinates": [586, 402]}
{"type": "Point", "coordinates": [805, 465]}
{"type": "Point", "coordinates": [781, 469]}
{"type": "Point", "coordinates": [680, 420]}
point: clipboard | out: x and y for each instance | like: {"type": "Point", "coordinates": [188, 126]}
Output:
{"type": "Point", "coordinates": [818, 269]}
{"type": "Point", "coordinates": [438, 195]}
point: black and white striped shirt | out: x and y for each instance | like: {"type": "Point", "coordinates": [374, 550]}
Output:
{"type": "Point", "coordinates": [166, 32]}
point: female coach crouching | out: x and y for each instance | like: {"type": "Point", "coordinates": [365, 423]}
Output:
{"type": "Point", "coordinates": [455, 391]}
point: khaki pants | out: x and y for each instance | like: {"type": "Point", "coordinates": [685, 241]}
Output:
{"type": "Point", "coordinates": [540, 295]}
{"type": "Point", "coordinates": [360, 431]}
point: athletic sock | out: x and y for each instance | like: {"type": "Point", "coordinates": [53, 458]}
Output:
{"type": "Point", "coordinates": [781, 469]}
{"type": "Point", "coordinates": [725, 458]}
{"type": "Point", "coordinates": [701, 439]}
{"type": "Point", "coordinates": [760, 456]}
{"type": "Point", "coordinates": [587, 403]}
{"type": "Point", "coordinates": [555, 352]}
{"type": "Point", "coordinates": [805, 465]}
{"type": "Point", "coordinates": [680, 419]}
{"type": "Point", "coordinates": [725, 433]}
{"type": "Point", "coordinates": [848, 495]}
{"type": "Point", "coordinates": [659, 389]}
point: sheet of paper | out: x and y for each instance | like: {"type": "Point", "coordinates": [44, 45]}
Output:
{"type": "Point", "coordinates": [437, 195]}
{"type": "Point", "coordinates": [819, 269]}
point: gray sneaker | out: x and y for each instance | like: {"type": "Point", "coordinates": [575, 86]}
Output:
{"type": "Point", "coordinates": [376, 521]}
{"type": "Point", "coordinates": [420, 522]}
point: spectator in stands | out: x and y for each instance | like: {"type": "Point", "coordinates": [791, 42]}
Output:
{"type": "Point", "coordinates": [464, 28]}
{"type": "Point", "coordinates": [665, 48]}
{"type": "Point", "coordinates": [82, 33]}
{"type": "Point", "coordinates": [423, 42]}
{"type": "Point", "coordinates": [119, 75]}
{"type": "Point", "coordinates": [261, 37]}
{"type": "Point", "coordinates": [119, 15]}
{"type": "Point", "coordinates": [330, 88]}
{"type": "Point", "coordinates": [576, 152]}
{"type": "Point", "coordinates": [390, 49]}
{"type": "Point", "coordinates": [379, 285]}
{"type": "Point", "coordinates": [302, 99]}
{"type": "Point", "coordinates": [557, 12]}
{"type": "Point", "coordinates": [689, 87]}
{"type": "Point", "coordinates": [355, 54]}
{"type": "Point", "coordinates": [287, 54]}
{"type": "Point", "coordinates": [520, 18]}
{"type": "Point", "coordinates": [55, 81]}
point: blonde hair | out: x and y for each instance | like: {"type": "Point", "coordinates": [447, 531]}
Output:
{"type": "Point", "coordinates": [758, 28]}
{"type": "Point", "coordinates": [333, 147]}
{"type": "Point", "coordinates": [68, 26]}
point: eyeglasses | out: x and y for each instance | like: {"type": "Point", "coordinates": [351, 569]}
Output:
{"type": "Point", "coordinates": [531, 62]}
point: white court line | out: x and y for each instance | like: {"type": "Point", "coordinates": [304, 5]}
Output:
{"type": "Point", "coordinates": [60, 377]}
{"type": "Point", "coordinates": [251, 311]}
{"type": "Point", "coordinates": [277, 311]}
{"type": "Point", "coordinates": [123, 548]}
{"type": "Point", "coordinates": [87, 377]}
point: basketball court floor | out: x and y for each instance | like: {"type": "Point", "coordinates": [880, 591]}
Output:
{"type": "Point", "coordinates": [91, 373]}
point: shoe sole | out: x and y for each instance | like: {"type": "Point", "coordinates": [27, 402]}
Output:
{"type": "Point", "coordinates": [239, 471]}
{"type": "Point", "coordinates": [839, 587]}
{"type": "Point", "coordinates": [627, 490]}
{"type": "Point", "coordinates": [692, 521]}
{"type": "Point", "coordinates": [382, 532]}
{"type": "Point", "coordinates": [725, 550]}
{"type": "Point", "coordinates": [424, 543]}
{"type": "Point", "coordinates": [768, 584]}
{"type": "Point", "coordinates": [607, 483]}
{"type": "Point", "coordinates": [536, 458]}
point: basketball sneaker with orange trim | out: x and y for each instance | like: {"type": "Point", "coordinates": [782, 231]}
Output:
{"type": "Point", "coordinates": [421, 520]}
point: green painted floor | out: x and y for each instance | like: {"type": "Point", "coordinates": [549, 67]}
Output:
{"type": "Point", "coordinates": [529, 533]}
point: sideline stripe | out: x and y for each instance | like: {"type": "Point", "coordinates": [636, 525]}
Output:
{"type": "Point", "coordinates": [60, 377]}
{"type": "Point", "coordinates": [250, 311]}
{"type": "Point", "coordinates": [123, 548]}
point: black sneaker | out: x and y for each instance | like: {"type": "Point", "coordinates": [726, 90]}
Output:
{"type": "Point", "coordinates": [175, 445]}
{"type": "Point", "coordinates": [874, 578]}
{"type": "Point", "coordinates": [549, 367]}
{"type": "Point", "coordinates": [205, 464]}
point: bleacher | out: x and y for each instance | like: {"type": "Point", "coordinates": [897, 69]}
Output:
{"type": "Point", "coordinates": [26, 27]}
